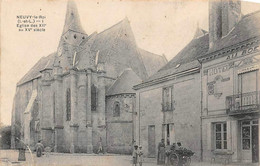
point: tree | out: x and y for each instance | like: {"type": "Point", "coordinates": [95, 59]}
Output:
{"type": "Point", "coordinates": [5, 137]}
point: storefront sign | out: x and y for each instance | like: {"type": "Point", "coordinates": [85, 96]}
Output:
{"type": "Point", "coordinates": [243, 53]}
{"type": "Point", "coordinates": [219, 69]}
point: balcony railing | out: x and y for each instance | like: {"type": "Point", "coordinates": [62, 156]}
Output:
{"type": "Point", "coordinates": [243, 103]}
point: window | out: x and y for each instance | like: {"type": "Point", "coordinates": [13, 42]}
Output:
{"type": "Point", "coordinates": [68, 105]}
{"type": "Point", "coordinates": [245, 85]}
{"type": "Point", "coordinates": [220, 134]}
{"type": "Point", "coordinates": [168, 102]}
{"type": "Point", "coordinates": [116, 111]}
{"type": "Point", "coordinates": [93, 98]}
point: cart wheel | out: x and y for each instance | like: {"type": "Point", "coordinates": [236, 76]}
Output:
{"type": "Point", "coordinates": [174, 159]}
{"type": "Point", "coordinates": [187, 161]}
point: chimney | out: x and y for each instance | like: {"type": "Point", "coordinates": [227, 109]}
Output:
{"type": "Point", "coordinates": [223, 16]}
{"type": "Point", "coordinates": [231, 13]}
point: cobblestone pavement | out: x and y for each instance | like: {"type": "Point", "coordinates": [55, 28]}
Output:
{"type": "Point", "coordinates": [10, 157]}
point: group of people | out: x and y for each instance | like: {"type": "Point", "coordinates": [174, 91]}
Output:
{"type": "Point", "coordinates": [163, 150]}
{"type": "Point", "coordinates": [137, 155]}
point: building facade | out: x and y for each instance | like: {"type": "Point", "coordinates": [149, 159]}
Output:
{"type": "Point", "coordinates": [207, 96]}
{"type": "Point", "coordinates": [168, 103]}
{"type": "Point", "coordinates": [230, 86]}
{"type": "Point", "coordinates": [69, 100]}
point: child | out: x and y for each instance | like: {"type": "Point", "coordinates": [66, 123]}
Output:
{"type": "Point", "coordinates": [135, 155]}
{"type": "Point", "coordinates": [140, 156]}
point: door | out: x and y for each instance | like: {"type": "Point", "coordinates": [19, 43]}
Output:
{"type": "Point", "coordinates": [172, 133]}
{"type": "Point", "coordinates": [249, 138]}
{"type": "Point", "coordinates": [151, 141]}
{"type": "Point", "coordinates": [255, 143]}
{"type": "Point", "coordinates": [169, 134]}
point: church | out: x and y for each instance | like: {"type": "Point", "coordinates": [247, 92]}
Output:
{"type": "Point", "coordinates": [82, 93]}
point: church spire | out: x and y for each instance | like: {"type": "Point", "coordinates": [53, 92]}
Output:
{"type": "Point", "coordinates": [72, 21]}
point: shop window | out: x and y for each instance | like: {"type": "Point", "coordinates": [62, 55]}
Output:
{"type": "Point", "coordinates": [220, 136]}
{"type": "Point", "coordinates": [116, 112]}
{"type": "Point", "coordinates": [168, 102]}
{"type": "Point", "coordinates": [68, 105]}
{"type": "Point", "coordinates": [93, 98]}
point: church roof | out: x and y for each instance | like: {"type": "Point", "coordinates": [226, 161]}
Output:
{"type": "Point", "coordinates": [72, 21]}
{"type": "Point", "coordinates": [34, 72]}
{"type": "Point", "coordinates": [118, 50]}
{"type": "Point", "coordinates": [152, 62]}
{"type": "Point", "coordinates": [124, 83]}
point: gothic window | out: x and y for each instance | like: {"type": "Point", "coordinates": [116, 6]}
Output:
{"type": "Point", "coordinates": [93, 98]}
{"type": "Point", "coordinates": [68, 105]}
{"type": "Point", "coordinates": [168, 102]}
{"type": "Point", "coordinates": [116, 110]}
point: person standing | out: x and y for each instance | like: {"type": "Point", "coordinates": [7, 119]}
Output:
{"type": "Point", "coordinates": [161, 153]}
{"type": "Point", "coordinates": [100, 147]}
{"type": "Point", "coordinates": [135, 155]}
{"type": "Point", "coordinates": [140, 156]}
{"type": "Point", "coordinates": [167, 153]}
{"type": "Point", "coordinates": [39, 148]}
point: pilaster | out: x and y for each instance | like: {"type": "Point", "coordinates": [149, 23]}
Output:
{"type": "Point", "coordinates": [73, 122]}
{"type": "Point", "coordinates": [82, 111]}
{"type": "Point", "coordinates": [89, 119]}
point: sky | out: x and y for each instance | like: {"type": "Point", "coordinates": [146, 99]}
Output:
{"type": "Point", "coordinates": [161, 27]}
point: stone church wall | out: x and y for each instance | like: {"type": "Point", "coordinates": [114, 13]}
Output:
{"type": "Point", "coordinates": [120, 128]}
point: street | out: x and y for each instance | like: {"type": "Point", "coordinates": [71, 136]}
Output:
{"type": "Point", "coordinates": [10, 158]}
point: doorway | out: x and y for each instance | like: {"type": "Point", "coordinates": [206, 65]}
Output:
{"type": "Point", "coordinates": [249, 140]}
{"type": "Point", "coordinates": [169, 133]}
{"type": "Point", "coordinates": [151, 141]}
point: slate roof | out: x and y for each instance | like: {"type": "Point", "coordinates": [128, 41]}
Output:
{"type": "Point", "coordinates": [118, 50]}
{"type": "Point", "coordinates": [124, 84]}
{"type": "Point", "coordinates": [34, 72]}
{"type": "Point", "coordinates": [152, 62]}
{"type": "Point", "coordinates": [186, 59]}
{"type": "Point", "coordinates": [248, 27]}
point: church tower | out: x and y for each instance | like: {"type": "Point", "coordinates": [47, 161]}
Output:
{"type": "Point", "coordinates": [72, 36]}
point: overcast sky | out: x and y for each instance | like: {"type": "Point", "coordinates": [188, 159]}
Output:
{"type": "Point", "coordinates": [161, 27]}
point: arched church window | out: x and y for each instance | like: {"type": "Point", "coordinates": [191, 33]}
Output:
{"type": "Point", "coordinates": [68, 105]}
{"type": "Point", "coordinates": [116, 112]}
{"type": "Point", "coordinates": [93, 98]}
